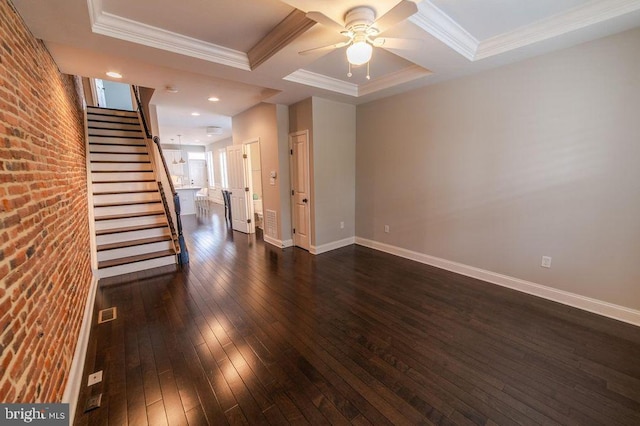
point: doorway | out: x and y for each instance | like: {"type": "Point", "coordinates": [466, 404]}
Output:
{"type": "Point", "coordinates": [255, 183]}
{"type": "Point", "coordinates": [111, 94]}
{"type": "Point", "coordinates": [300, 188]}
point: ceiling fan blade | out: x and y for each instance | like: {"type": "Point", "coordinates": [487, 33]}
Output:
{"type": "Point", "coordinates": [398, 13]}
{"type": "Point", "coordinates": [397, 43]}
{"type": "Point", "coordinates": [323, 19]}
{"type": "Point", "coordinates": [324, 48]}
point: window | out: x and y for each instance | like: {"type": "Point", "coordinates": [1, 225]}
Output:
{"type": "Point", "coordinates": [209, 158]}
{"type": "Point", "coordinates": [223, 168]}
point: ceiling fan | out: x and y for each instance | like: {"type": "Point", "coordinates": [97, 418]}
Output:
{"type": "Point", "coordinates": [363, 30]}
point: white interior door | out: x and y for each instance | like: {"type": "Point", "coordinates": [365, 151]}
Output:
{"type": "Point", "coordinates": [300, 193]}
{"type": "Point", "coordinates": [198, 173]}
{"type": "Point", "coordinates": [237, 167]}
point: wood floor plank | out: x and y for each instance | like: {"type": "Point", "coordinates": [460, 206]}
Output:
{"type": "Point", "coordinates": [248, 333]}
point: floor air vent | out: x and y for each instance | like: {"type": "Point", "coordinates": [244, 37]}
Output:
{"type": "Point", "coordinates": [107, 315]}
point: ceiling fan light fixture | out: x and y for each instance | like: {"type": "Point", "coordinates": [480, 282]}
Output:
{"type": "Point", "coordinates": [359, 52]}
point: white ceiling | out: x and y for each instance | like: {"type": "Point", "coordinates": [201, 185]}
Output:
{"type": "Point", "coordinates": [201, 47]}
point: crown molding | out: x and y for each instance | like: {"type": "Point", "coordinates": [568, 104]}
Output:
{"type": "Point", "coordinates": [393, 79]}
{"type": "Point", "coordinates": [441, 26]}
{"type": "Point", "coordinates": [320, 81]}
{"type": "Point", "coordinates": [576, 18]}
{"type": "Point", "coordinates": [111, 25]}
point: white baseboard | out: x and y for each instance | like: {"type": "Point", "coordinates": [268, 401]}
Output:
{"type": "Point", "coordinates": [323, 248]}
{"type": "Point", "coordinates": [600, 307]}
{"type": "Point", "coordinates": [74, 381]}
{"type": "Point", "coordinates": [276, 242]}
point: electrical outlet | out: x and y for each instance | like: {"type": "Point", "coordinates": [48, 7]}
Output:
{"type": "Point", "coordinates": [546, 262]}
{"type": "Point", "coordinates": [386, 229]}
{"type": "Point", "coordinates": [341, 225]}
{"type": "Point", "coordinates": [94, 378]}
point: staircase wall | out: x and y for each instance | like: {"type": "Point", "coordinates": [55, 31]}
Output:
{"type": "Point", "coordinates": [45, 272]}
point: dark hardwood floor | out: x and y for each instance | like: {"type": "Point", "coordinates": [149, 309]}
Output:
{"type": "Point", "coordinates": [250, 334]}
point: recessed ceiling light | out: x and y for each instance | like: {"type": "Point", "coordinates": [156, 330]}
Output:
{"type": "Point", "coordinates": [213, 99]}
{"type": "Point", "coordinates": [195, 114]}
{"type": "Point", "coordinates": [114, 74]}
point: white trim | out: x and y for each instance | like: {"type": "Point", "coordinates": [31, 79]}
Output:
{"type": "Point", "coordinates": [276, 242]}
{"type": "Point", "coordinates": [116, 26]}
{"type": "Point", "coordinates": [323, 248]}
{"type": "Point", "coordinates": [322, 82]}
{"type": "Point", "coordinates": [393, 79]}
{"type": "Point", "coordinates": [606, 309]}
{"type": "Point", "coordinates": [441, 26]}
{"type": "Point", "coordinates": [74, 381]}
{"type": "Point", "coordinates": [579, 17]}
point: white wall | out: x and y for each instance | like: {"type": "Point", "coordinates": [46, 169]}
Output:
{"type": "Point", "coordinates": [498, 169]}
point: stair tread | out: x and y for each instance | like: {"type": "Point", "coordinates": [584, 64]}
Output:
{"type": "Point", "coordinates": [126, 203]}
{"type": "Point", "coordinates": [121, 171]}
{"type": "Point", "coordinates": [123, 181]}
{"type": "Point", "coordinates": [104, 111]}
{"type": "Point", "coordinates": [131, 229]}
{"type": "Point", "coordinates": [133, 259]}
{"type": "Point", "coordinates": [116, 144]}
{"type": "Point", "coordinates": [117, 137]}
{"type": "Point", "coordinates": [120, 152]}
{"type": "Point", "coordinates": [138, 191]}
{"type": "Point", "coordinates": [120, 161]}
{"type": "Point", "coordinates": [132, 243]}
{"type": "Point", "coordinates": [130, 215]}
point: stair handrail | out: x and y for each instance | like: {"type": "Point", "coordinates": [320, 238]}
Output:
{"type": "Point", "coordinates": [136, 93]}
{"type": "Point", "coordinates": [183, 256]}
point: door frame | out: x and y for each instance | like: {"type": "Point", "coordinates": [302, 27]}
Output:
{"type": "Point", "coordinates": [307, 178]}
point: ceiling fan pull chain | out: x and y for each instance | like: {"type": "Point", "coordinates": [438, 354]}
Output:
{"type": "Point", "coordinates": [368, 76]}
{"type": "Point", "coordinates": [349, 73]}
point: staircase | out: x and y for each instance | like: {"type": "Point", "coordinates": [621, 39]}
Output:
{"type": "Point", "coordinates": [131, 227]}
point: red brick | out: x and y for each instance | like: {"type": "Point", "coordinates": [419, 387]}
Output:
{"type": "Point", "coordinates": [43, 216]}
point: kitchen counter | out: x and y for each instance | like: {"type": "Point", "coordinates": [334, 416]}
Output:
{"type": "Point", "coordinates": [187, 195]}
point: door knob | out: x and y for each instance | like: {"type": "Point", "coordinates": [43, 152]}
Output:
{"type": "Point", "coordinates": [304, 200]}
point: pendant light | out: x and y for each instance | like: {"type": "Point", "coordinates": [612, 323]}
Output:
{"type": "Point", "coordinates": [173, 155]}
{"type": "Point", "coordinates": [180, 142]}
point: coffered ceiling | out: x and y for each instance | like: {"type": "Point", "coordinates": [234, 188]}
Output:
{"type": "Point", "coordinates": [247, 51]}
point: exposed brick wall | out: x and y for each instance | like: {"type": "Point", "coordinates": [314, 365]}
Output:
{"type": "Point", "coordinates": [45, 266]}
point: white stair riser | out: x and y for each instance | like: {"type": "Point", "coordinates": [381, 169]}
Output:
{"type": "Point", "coordinates": [136, 208]}
{"type": "Point", "coordinates": [134, 251]}
{"type": "Point", "coordinates": [140, 197]}
{"type": "Point", "coordinates": [115, 140]}
{"type": "Point", "coordinates": [135, 267]}
{"type": "Point", "coordinates": [93, 149]}
{"type": "Point", "coordinates": [132, 235]}
{"type": "Point", "coordinates": [130, 221]}
{"type": "Point", "coordinates": [112, 112]}
{"type": "Point", "coordinates": [98, 117]}
{"type": "Point", "coordinates": [115, 133]}
{"type": "Point", "coordinates": [119, 157]}
{"type": "Point", "coordinates": [115, 177]}
{"type": "Point", "coordinates": [124, 167]}
{"type": "Point", "coordinates": [124, 186]}
{"type": "Point", "coordinates": [114, 126]}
